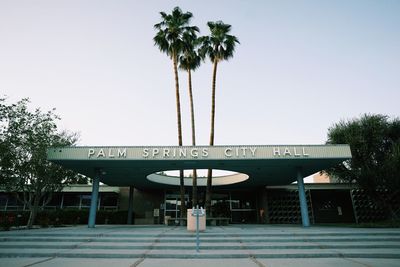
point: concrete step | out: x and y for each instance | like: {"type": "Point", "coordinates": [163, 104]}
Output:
{"type": "Point", "coordinates": [202, 255]}
{"type": "Point", "coordinates": [203, 240]}
{"type": "Point", "coordinates": [189, 235]}
{"type": "Point", "coordinates": [182, 233]}
{"type": "Point", "coordinates": [192, 247]}
{"type": "Point", "coordinates": [216, 243]}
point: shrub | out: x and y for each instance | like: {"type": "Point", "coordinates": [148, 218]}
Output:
{"type": "Point", "coordinates": [59, 218]}
{"type": "Point", "coordinates": [6, 221]}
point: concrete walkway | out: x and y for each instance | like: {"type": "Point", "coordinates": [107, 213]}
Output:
{"type": "Point", "coordinates": [237, 245]}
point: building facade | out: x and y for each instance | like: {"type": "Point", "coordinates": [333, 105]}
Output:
{"type": "Point", "coordinates": [326, 203]}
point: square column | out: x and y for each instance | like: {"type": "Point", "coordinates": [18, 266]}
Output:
{"type": "Point", "coordinates": [93, 202]}
{"type": "Point", "coordinates": [303, 201]}
{"type": "Point", "coordinates": [130, 205]}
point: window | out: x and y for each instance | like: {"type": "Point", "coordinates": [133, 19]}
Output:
{"type": "Point", "coordinates": [71, 200]}
{"type": "Point", "coordinates": [3, 201]}
{"type": "Point", "coordinates": [85, 201]}
{"type": "Point", "coordinates": [173, 205]}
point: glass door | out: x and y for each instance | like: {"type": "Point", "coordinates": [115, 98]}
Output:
{"type": "Point", "coordinates": [173, 206]}
{"type": "Point", "coordinates": [243, 207]}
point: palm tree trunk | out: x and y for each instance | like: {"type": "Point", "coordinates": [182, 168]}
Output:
{"type": "Point", "coordinates": [178, 112]}
{"type": "Point", "coordinates": [214, 80]}
{"type": "Point", "coordinates": [178, 101]}
{"type": "Point", "coordinates": [209, 175]}
{"type": "Point", "coordinates": [194, 185]}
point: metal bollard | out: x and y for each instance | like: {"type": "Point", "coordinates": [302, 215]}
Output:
{"type": "Point", "coordinates": [198, 213]}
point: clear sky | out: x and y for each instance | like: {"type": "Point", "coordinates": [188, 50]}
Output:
{"type": "Point", "coordinates": [301, 66]}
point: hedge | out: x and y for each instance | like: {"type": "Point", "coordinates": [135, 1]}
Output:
{"type": "Point", "coordinates": [61, 217]}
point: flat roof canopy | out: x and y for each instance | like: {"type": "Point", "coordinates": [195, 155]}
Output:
{"type": "Point", "coordinates": [137, 165]}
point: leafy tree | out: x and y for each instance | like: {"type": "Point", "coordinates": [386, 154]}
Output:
{"type": "Point", "coordinates": [169, 39]}
{"type": "Point", "coordinates": [189, 61]}
{"type": "Point", "coordinates": [25, 137]}
{"type": "Point", "coordinates": [375, 164]}
{"type": "Point", "coordinates": [219, 46]}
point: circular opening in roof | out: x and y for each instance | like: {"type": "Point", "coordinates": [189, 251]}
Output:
{"type": "Point", "coordinates": [220, 177]}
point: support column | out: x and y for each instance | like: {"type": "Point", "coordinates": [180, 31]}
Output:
{"type": "Point", "coordinates": [303, 200]}
{"type": "Point", "coordinates": [130, 205]}
{"type": "Point", "coordinates": [93, 202]}
{"type": "Point", "coordinates": [264, 206]}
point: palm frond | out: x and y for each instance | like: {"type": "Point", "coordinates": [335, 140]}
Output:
{"type": "Point", "coordinates": [169, 38]}
{"type": "Point", "coordinates": [219, 45]}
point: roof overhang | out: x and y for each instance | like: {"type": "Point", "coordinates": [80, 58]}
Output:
{"type": "Point", "coordinates": [264, 164]}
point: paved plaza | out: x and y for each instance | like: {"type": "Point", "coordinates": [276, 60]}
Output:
{"type": "Point", "coordinates": [234, 245]}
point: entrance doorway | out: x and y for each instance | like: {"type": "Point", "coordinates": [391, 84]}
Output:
{"type": "Point", "coordinates": [243, 207]}
{"type": "Point", "coordinates": [173, 206]}
{"type": "Point", "coordinates": [238, 206]}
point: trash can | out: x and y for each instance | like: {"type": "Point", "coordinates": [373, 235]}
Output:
{"type": "Point", "coordinates": [191, 221]}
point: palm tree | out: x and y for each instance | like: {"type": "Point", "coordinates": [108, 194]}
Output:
{"type": "Point", "coordinates": [169, 40]}
{"type": "Point", "coordinates": [219, 46]}
{"type": "Point", "coordinates": [190, 61]}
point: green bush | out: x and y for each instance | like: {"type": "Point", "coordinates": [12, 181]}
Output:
{"type": "Point", "coordinates": [58, 218]}
{"type": "Point", "coordinates": [67, 217]}
{"type": "Point", "coordinates": [43, 221]}
{"type": "Point", "coordinates": [6, 221]}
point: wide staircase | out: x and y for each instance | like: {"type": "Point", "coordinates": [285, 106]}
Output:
{"type": "Point", "coordinates": [230, 242]}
